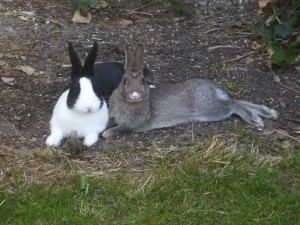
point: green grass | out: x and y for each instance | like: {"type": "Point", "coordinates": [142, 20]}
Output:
{"type": "Point", "coordinates": [220, 181]}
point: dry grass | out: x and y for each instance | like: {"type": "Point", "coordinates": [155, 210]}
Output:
{"type": "Point", "coordinates": [52, 166]}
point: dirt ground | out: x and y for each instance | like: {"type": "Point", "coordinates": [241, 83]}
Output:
{"type": "Point", "coordinates": [214, 44]}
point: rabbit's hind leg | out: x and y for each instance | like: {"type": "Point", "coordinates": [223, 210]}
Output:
{"type": "Point", "coordinates": [251, 113]}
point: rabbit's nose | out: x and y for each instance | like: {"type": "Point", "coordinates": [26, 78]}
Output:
{"type": "Point", "coordinates": [134, 95]}
{"type": "Point", "coordinates": [88, 109]}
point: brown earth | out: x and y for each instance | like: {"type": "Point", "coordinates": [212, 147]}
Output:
{"type": "Point", "coordinates": [214, 44]}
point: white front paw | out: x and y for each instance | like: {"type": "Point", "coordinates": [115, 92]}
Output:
{"type": "Point", "coordinates": [53, 140]}
{"type": "Point", "coordinates": [90, 139]}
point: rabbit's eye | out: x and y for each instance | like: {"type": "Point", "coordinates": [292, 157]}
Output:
{"type": "Point", "coordinates": [125, 81]}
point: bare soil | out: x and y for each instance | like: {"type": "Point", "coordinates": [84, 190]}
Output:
{"type": "Point", "coordinates": [213, 44]}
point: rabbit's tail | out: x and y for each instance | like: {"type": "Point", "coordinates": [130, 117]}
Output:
{"type": "Point", "coordinates": [252, 113]}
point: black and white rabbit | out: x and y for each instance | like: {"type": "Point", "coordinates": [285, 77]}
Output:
{"type": "Point", "coordinates": [134, 107]}
{"type": "Point", "coordinates": [83, 107]}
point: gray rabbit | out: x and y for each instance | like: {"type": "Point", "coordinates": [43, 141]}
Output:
{"type": "Point", "coordinates": [135, 108]}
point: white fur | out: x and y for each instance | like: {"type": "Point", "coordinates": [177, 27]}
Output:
{"type": "Point", "coordinates": [85, 117]}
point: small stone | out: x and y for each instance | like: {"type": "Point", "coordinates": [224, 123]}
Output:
{"type": "Point", "coordinates": [17, 118]}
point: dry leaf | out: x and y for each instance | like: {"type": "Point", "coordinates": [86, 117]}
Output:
{"type": "Point", "coordinates": [297, 131]}
{"type": "Point", "coordinates": [270, 52]}
{"type": "Point", "coordinates": [267, 63]}
{"type": "Point", "coordinates": [8, 80]}
{"type": "Point", "coordinates": [287, 145]}
{"type": "Point", "coordinates": [276, 78]}
{"type": "Point", "coordinates": [26, 69]}
{"type": "Point", "coordinates": [255, 45]}
{"type": "Point", "coordinates": [266, 6]}
{"type": "Point", "coordinates": [249, 60]}
{"type": "Point", "coordinates": [263, 3]}
{"type": "Point", "coordinates": [77, 18]}
{"type": "Point", "coordinates": [280, 134]}
{"type": "Point", "coordinates": [124, 23]}
{"type": "Point", "coordinates": [102, 5]}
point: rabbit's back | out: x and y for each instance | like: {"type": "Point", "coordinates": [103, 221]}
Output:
{"type": "Point", "coordinates": [194, 100]}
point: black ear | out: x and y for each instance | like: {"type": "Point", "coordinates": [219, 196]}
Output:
{"type": "Point", "coordinates": [88, 67]}
{"type": "Point", "coordinates": [75, 61]}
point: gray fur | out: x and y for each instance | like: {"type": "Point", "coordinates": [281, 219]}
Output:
{"type": "Point", "coordinates": [194, 100]}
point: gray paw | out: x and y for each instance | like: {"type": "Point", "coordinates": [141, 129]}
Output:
{"type": "Point", "coordinates": [108, 133]}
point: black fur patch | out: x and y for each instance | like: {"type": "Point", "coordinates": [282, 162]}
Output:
{"type": "Point", "coordinates": [73, 93]}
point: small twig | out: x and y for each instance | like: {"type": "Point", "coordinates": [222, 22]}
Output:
{"type": "Point", "coordinates": [138, 12]}
{"type": "Point", "coordinates": [240, 57]}
{"type": "Point", "coordinates": [277, 80]}
{"type": "Point", "coordinates": [50, 20]}
{"type": "Point", "coordinates": [244, 33]}
{"type": "Point", "coordinates": [212, 30]}
{"type": "Point", "coordinates": [221, 46]}
{"type": "Point", "coordinates": [143, 6]}
{"type": "Point", "coordinates": [2, 202]}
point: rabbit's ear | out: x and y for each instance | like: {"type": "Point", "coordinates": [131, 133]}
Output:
{"type": "Point", "coordinates": [139, 58]}
{"type": "Point", "coordinates": [75, 61]}
{"type": "Point", "coordinates": [88, 67]}
{"type": "Point", "coordinates": [129, 61]}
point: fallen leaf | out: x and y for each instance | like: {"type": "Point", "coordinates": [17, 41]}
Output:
{"type": "Point", "coordinates": [297, 131]}
{"type": "Point", "coordinates": [102, 5]}
{"type": "Point", "coordinates": [276, 79]}
{"type": "Point", "coordinates": [263, 3]}
{"type": "Point", "coordinates": [77, 18]}
{"type": "Point", "coordinates": [267, 63]}
{"type": "Point", "coordinates": [8, 80]}
{"type": "Point", "coordinates": [124, 23]}
{"type": "Point", "coordinates": [255, 45]}
{"type": "Point", "coordinates": [26, 69]}
{"type": "Point", "coordinates": [249, 60]}
{"type": "Point", "coordinates": [280, 135]}
{"type": "Point", "coordinates": [270, 51]}
{"type": "Point", "coordinates": [266, 6]}
{"type": "Point", "coordinates": [287, 145]}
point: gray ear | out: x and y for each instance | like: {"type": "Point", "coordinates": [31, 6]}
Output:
{"type": "Point", "coordinates": [129, 62]}
{"type": "Point", "coordinates": [139, 58]}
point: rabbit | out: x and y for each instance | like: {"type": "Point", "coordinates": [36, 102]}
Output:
{"type": "Point", "coordinates": [136, 108]}
{"type": "Point", "coordinates": [83, 107]}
